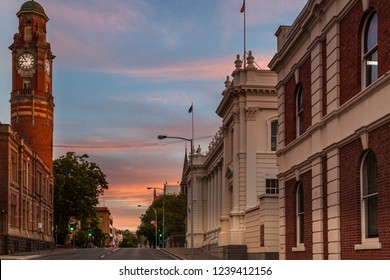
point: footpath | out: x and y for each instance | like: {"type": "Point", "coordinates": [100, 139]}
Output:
{"type": "Point", "coordinates": [188, 254]}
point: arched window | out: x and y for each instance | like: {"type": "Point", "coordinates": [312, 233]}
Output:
{"type": "Point", "coordinates": [370, 49]}
{"type": "Point", "coordinates": [299, 109]}
{"type": "Point", "coordinates": [369, 196]}
{"type": "Point", "coordinates": [300, 215]}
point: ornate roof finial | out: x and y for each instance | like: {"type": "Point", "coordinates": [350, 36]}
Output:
{"type": "Point", "coordinates": [238, 62]}
{"type": "Point", "coordinates": [250, 60]}
{"type": "Point", "coordinates": [227, 82]}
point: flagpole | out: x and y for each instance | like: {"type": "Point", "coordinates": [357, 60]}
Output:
{"type": "Point", "coordinates": [243, 10]}
{"type": "Point", "coordinates": [193, 184]}
{"type": "Point", "coordinates": [244, 35]}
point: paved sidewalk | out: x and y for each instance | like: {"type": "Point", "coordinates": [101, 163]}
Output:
{"type": "Point", "coordinates": [28, 255]}
{"type": "Point", "coordinates": [186, 254]}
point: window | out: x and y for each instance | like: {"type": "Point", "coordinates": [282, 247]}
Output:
{"type": "Point", "coordinates": [14, 166]}
{"type": "Point", "coordinates": [300, 215]}
{"type": "Point", "coordinates": [370, 49]}
{"type": "Point", "coordinates": [369, 197]}
{"type": "Point", "coordinates": [13, 210]}
{"type": "Point", "coordinates": [299, 109]}
{"type": "Point", "coordinates": [26, 83]}
{"type": "Point", "coordinates": [274, 132]}
{"type": "Point", "coordinates": [24, 222]}
{"type": "Point", "coordinates": [39, 183]}
{"type": "Point", "coordinates": [25, 180]}
{"type": "Point", "coordinates": [28, 215]}
{"type": "Point", "coordinates": [271, 186]}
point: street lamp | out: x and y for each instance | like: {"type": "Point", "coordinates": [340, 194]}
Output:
{"type": "Point", "coordinates": [163, 189]}
{"type": "Point", "coordinates": [155, 213]}
{"type": "Point", "coordinates": [161, 137]}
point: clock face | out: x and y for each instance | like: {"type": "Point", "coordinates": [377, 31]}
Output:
{"type": "Point", "coordinates": [47, 66]}
{"type": "Point", "coordinates": [26, 61]}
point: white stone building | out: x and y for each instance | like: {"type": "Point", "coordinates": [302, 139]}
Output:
{"type": "Point", "coordinates": [235, 199]}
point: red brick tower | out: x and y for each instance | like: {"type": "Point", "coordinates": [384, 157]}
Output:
{"type": "Point", "coordinates": [32, 104]}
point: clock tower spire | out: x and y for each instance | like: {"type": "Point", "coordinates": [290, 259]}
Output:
{"type": "Point", "coordinates": [32, 106]}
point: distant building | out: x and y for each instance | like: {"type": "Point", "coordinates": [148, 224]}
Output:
{"type": "Point", "coordinates": [235, 189]}
{"type": "Point", "coordinates": [169, 190]}
{"type": "Point", "coordinates": [105, 223]}
{"type": "Point", "coordinates": [172, 189]}
{"type": "Point", "coordinates": [26, 146]}
{"type": "Point", "coordinates": [334, 131]}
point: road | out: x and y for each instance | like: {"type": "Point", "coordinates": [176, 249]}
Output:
{"type": "Point", "coordinates": [106, 254]}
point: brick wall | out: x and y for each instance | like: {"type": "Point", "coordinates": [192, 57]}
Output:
{"type": "Point", "coordinates": [4, 163]}
{"type": "Point", "coordinates": [351, 50]}
{"type": "Point", "coordinates": [350, 200]}
{"type": "Point", "coordinates": [291, 221]}
{"type": "Point", "coordinates": [38, 136]}
{"type": "Point", "coordinates": [383, 9]}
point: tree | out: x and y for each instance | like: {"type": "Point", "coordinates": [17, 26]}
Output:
{"type": "Point", "coordinates": [78, 183]}
{"type": "Point", "coordinates": [129, 239]}
{"type": "Point", "coordinates": [175, 214]}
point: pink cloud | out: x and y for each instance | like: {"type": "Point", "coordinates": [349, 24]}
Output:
{"type": "Point", "coordinates": [210, 69]}
{"type": "Point", "coordinates": [117, 16]}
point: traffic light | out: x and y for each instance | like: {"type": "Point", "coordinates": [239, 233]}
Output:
{"type": "Point", "coordinates": [89, 233]}
{"type": "Point", "coordinates": [72, 227]}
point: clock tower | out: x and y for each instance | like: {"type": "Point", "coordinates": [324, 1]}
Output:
{"type": "Point", "coordinates": [32, 106]}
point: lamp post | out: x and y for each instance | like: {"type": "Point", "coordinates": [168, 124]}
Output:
{"type": "Point", "coordinates": [163, 189]}
{"type": "Point", "coordinates": [155, 213]}
{"type": "Point", "coordinates": [161, 137]}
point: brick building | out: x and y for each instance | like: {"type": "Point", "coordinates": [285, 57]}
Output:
{"type": "Point", "coordinates": [334, 131]}
{"type": "Point", "coordinates": [106, 223]}
{"type": "Point", "coordinates": [26, 146]}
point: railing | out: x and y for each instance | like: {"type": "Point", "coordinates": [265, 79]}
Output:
{"type": "Point", "coordinates": [31, 92]}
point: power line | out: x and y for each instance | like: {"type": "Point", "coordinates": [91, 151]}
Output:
{"type": "Point", "coordinates": [125, 146]}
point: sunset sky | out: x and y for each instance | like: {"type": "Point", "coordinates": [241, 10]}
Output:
{"type": "Point", "coordinates": [128, 70]}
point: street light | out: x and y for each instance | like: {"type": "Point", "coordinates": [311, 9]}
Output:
{"type": "Point", "coordinates": [155, 213]}
{"type": "Point", "coordinates": [163, 189]}
{"type": "Point", "coordinates": [161, 137]}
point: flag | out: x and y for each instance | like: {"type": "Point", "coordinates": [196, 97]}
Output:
{"type": "Point", "coordinates": [190, 110]}
{"type": "Point", "coordinates": [243, 7]}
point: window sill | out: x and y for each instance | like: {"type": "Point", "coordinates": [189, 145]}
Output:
{"type": "Point", "coordinates": [299, 248]}
{"type": "Point", "coordinates": [368, 246]}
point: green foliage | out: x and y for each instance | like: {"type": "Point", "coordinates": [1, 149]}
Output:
{"type": "Point", "coordinates": [77, 185]}
{"type": "Point", "coordinates": [175, 214]}
{"type": "Point", "coordinates": [129, 240]}
{"type": "Point", "coordinates": [81, 238]}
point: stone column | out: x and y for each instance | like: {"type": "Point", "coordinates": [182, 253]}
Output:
{"type": "Point", "coordinates": [251, 145]}
{"type": "Point", "coordinates": [317, 210]}
{"type": "Point", "coordinates": [334, 236]}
